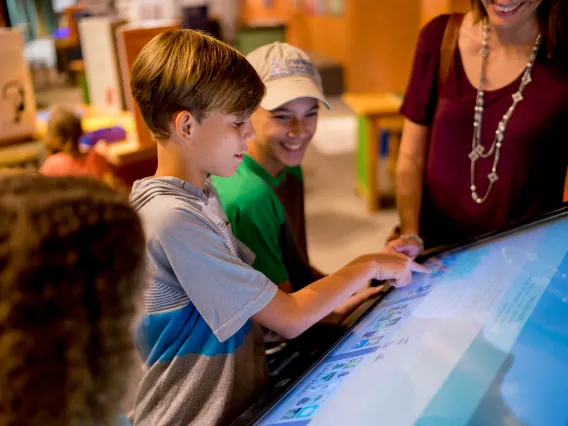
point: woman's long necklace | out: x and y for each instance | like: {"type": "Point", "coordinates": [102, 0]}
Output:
{"type": "Point", "coordinates": [477, 150]}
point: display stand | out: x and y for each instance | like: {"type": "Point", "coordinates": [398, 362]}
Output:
{"type": "Point", "coordinates": [17, 101]}
{"type": "Point", "coordinates": [375, 111]}
{"type": "Point", "coordinates": [131, 39]}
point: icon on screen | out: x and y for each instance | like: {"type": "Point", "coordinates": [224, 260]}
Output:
{"type": "Point", "coordinates": [327, 377]}
{"type": "Point", "coordinates": [291, 414]}
{"type": "Point", "coordinates": [360, 344]}
{"type": "Point", "coordinates": [375, 341]}
{"type": "Point", "coordinates": [393, 321]}
{"type": "Point", "coordinates": [303, 401]}
{"type": "Point", "coordinates": [307, 411]}
{"type": "Point", "coordinates": [387, 316]}
{"type": "Point", "coordinates": [369, 334]}
{"type": "Point", "coordinates": [343, 374]}
{"type": "Point", "coordinates": [353, 362]}
{"type": "Point", "coordinates": [379, 325]}
{"type": "Point", "coordinates": [420, 290]}
{"type": "Point", "coordinates": [338, 366]}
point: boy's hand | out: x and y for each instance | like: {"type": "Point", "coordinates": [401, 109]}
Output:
{"type": "Point", "coordinates": [397, 269]}
{"type": "Point", "coordinates": [357, 299]}
{"type": "Point", "coordinates": [340, 313]}
{"type": "Point", "coordinates": [394, 267]}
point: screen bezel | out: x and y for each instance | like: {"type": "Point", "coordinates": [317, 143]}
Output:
{"type": "Point", "coordinates": [286, 384]}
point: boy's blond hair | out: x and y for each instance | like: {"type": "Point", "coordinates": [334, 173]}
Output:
{"type": "Point", "coordinates": [188, 70]}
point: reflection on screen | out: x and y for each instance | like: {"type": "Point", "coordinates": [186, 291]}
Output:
{"type": "Point", "coordinates": [482, 340]}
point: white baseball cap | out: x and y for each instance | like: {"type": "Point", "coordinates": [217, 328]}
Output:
{"type": "Point", "coordinates": [288, 74]}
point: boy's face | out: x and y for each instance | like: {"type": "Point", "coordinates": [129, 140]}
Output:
{"type": "Point", "coordinates": [285, 132]}
{"type": "Point", "coordinates": [220, 141]}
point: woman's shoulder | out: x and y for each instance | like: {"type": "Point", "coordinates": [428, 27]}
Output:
{"type": "Point", "coordinates": [432, 33]}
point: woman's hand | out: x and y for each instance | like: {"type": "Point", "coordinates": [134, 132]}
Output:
{"type": "Point", "coordinates": [410, 247]}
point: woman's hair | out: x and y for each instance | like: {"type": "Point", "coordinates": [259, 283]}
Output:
{"type": "Point", "coordinates": [71, 284]}
{"type": "Point", "coordinates": [65, 126]}
{"type": "Point", "coordinates": [552, 18]}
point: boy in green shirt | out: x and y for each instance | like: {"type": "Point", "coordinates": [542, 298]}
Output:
{"type": "Point", "coordinates": [264, 200]}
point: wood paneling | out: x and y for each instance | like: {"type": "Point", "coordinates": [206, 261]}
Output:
{"type": "Point", "coordinates": [374, 40]}
{"type": "Point", "coordinates": [381, 47]}
{"type": "Point", "coordinates": [324, 35]}
{"type": "Point", "coordinates": [429, 9]}
{"type": "Point", "coordinates": [257, 10]}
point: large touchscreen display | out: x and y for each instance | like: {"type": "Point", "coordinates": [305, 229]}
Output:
{"type": "Point", "coordinates": [482, 340]}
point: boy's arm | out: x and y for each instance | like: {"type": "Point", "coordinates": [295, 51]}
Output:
{"type": "Point", "coordinates": [227, 292]}
{"type": "Point", "coordinates": [291, 314]}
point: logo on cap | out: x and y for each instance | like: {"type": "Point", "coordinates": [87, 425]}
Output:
{"type": "Point", "coordinates": [293, 66]}
{"type": "Point", "coordinates": [278, 70]}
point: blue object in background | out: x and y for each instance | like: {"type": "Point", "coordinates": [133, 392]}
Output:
{"type": "Point", "coordinates": [384, 136]}
{"type": "Point", "coordinates": [108, 134]}
{"type": "Point", "coordinates": [61, 33]}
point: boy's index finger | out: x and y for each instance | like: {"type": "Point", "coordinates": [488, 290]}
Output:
{"type": "Point", "coordinates": [416, 267]}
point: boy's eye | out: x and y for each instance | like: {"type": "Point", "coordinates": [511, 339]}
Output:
{"type": "Point", "coordinates": [238, 123]}
{"type": "Point", "coordinates": [312, 114]}
{"type": "Point", "coordinates": [281, 117]}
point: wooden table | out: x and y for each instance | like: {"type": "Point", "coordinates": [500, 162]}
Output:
{"type": "Point", "coordinates": [376, 111]}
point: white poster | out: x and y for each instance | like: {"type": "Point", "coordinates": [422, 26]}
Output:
{"type": "Point", "coordinates": [98, 44]}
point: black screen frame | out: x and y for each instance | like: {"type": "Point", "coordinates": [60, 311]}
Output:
{"type": "Point", "coordinates": [279, 391]}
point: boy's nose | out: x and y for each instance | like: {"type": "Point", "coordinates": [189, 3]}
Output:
{"type": "Point", "coordinates": [249, 133]}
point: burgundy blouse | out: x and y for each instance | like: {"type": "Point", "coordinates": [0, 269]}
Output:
{"type": "Point", "coordinates": [534, 156]}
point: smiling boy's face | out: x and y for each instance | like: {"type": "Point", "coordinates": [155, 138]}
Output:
{"type": "Point", "coordinates": [285, 132]}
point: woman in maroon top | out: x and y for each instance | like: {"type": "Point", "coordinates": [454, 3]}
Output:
{"type": "Point", "coordinates": [446, 193]}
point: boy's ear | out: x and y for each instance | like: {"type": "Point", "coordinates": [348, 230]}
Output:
{"type": "Point", "coordinates": [184, 124]}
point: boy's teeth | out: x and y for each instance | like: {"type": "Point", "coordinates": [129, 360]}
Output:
{"type": "Point", "coordinates": [292, 146]}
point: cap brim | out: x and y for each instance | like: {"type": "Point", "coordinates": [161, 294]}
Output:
{"type": "Point", "coordinates": [283, 90]}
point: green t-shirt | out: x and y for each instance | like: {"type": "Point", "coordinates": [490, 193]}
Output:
{"type": "Point", "coordinates": [267, 214]}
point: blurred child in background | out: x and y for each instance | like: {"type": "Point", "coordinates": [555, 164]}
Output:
{"type": "Point", "coordinates": [64, 130]}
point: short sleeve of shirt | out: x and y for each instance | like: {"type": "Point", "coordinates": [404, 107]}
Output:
{"type": "Point", "coordinates": [258, 224]}
{"type": "Point", "coordinates": [421, 94]}
{"type": "Point", "coordinates": [226, 291]}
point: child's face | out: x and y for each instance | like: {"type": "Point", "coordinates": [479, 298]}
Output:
{"type": "Point", "coordinates": [220, 141]}
{"type": "Point", "coordinates": [284, 133]}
